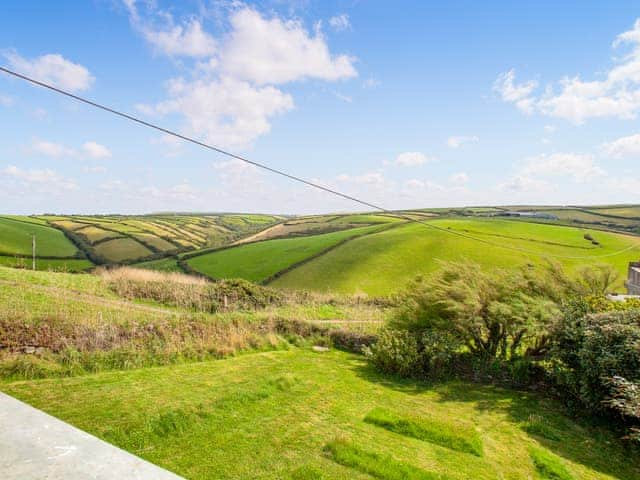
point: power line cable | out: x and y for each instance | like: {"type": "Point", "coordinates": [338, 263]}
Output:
{"type": "Point", "coordinates": [294, 177]}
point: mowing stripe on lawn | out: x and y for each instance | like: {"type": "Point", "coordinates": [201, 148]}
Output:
{"type": "Point", "coordinates": [548, 465]}
{"type": "Point", "coordinates": [442, 434]}
{"type": "Point", "coordinates": [377, 465]}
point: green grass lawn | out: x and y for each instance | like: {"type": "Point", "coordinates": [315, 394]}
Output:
{"type": "Point", "coordinates": [383, 262]}
{"type": "Point", "coordinates": [296, 414]}
{"type": "Point", "coordinates": [15, 238]}
{"type": "Point", "coordinates": [258, 261]}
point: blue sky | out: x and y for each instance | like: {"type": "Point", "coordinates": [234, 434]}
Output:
{"type": "Point", "coordinates": [405, 104]}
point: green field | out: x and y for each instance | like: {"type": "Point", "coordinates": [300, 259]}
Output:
{"type": "Point", "coordinates": [383, 262]}
{"type": "Point", "coordinates": [163, 265]}
{"type": "Point", "coordinates": [15, 238]}
{"type": "Point", "coordinates": [272, 416]}
{"type": "Point", "coordinates": [258, 261]}
{"type": "Point", "coordinates": [120, 249]}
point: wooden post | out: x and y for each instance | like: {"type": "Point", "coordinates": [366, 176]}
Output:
{"type": "Point", "coordinates": [33, 251]}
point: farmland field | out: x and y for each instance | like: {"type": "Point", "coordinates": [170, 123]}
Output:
{"type": "Point", "coordinates": [399, 254]}
{"type": "Point", "coordinates": [260, 260]}
{"type": "Point", "coordinates": [274, 416]}
{"type": "Point", "coordinates": [121, 249]}
{"type": "Point", "coordinates": [15, 238]}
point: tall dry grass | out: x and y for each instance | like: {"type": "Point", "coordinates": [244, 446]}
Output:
{"type": "Point", "coordinates": [189, 292]}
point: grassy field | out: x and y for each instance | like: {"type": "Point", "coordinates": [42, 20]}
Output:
{"type": "Point", "coordinates": [15, 238]}
{"type": "Point", "coordinates": [163, 265]}
{"type": "Point", "coordinates": [297, 414]}
{"type": "Point", "coordinates": [120, 249]}
{"type": "Point", "coordinates": [399, 254]}
{"type": "Point", "coordinates": [258, 261]}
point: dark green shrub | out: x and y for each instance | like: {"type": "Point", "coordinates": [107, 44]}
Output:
{"type": "Point", "coordinates": [431, 354]}
{"type": "Point", "coordinates": [596, 360]}
{"type": "Point", "coordinates": [397, 353]}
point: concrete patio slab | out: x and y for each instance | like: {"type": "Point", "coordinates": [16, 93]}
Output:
{"type": "Point", "coordinates": [35, 445]}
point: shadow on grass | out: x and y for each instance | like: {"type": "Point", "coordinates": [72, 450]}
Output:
{"type": "Point", "coordinates": [585, 441]}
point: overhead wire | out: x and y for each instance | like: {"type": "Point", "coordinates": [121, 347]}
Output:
{"type": "Point", "coordinates": [309, 183]}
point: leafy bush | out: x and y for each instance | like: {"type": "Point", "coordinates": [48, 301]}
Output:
{"type": "Point", "coordinates": [396, 353]}
{"type": "Point", "coordinates": [493, 314]}
{"type": "Point", "coordinates": [597, 362]}
{"type": "Point", "coordinates": [400, 352]}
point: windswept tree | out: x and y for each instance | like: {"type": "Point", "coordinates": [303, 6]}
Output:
{"type": "Point", "coordinates": [494, 314]}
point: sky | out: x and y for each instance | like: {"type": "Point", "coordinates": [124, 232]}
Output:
{"type": "Point", "coordinates": [408, 104]}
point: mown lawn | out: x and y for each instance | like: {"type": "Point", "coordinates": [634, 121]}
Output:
{"type": "Point", "coordinates": [258, 261]}
{"type": "Point", "coordinates": [300, 414]}
{"type": "Point", "coordinates": [382, 263]}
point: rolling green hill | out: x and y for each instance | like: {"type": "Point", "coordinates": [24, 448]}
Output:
{"type": "Point", "coordinates": [260, 260]}
{"type": "Point", "coordinates": [381, 263]}
{"type": "Point", "coordinates": [15, 238]}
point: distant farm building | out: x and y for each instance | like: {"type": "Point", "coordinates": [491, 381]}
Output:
{"type": "Point", "coordinates": [546, 216]}
{"type": "Point", "coordinates": [633, 280]}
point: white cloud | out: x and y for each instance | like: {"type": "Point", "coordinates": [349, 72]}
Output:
{"type": "Point", "coordinates": [160, 30]}
{"type": "Point", "coordinates": [95, 150]}
{"type": "Point", "coordinates": [44, 180]}
{"type": "Point", "coordinates": [623, 147]}
{"type": "Point", "coordinates": [275, 51]}
{"type": "Point", "coordinates": [340, 22]}
{"type": "Point", "coordinates": [459, 179]}
{"type": "Point", "coordinates": [226, 112]}
{"type": "Point", "coordinates": [344, 98]}
{"type": "Point", "coordinates": [94, 169]}
{"type": "Point", "coordinates": [580, 168]}
{"type": "Point", "coordinates": [458, 141]}
{"type": "Point", "coordinates": [512, 93]}
{"type": "Point", "coordinates": [627, 185]}
{"type": "Point", "coordinates": [233, 96]}
{"type": "Point", "coordinates": [51, 149]}
{"type": "Point", "coordinates": [6, 101]}
{"type": "Point", "coordinates": [54, 69]}
{"type": "Point", "coordinates": [523, 183]}
{"type": "Point", "coordinates": [371, 83]}
{"type": "Point", "coordinates": [188, 40]}
{"type": "Point", "coordinates": [412, 159]}
{"type": "Point", "coordinates": [369, 178]}
{"type": "Point", "coordinates": [616, 95]}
